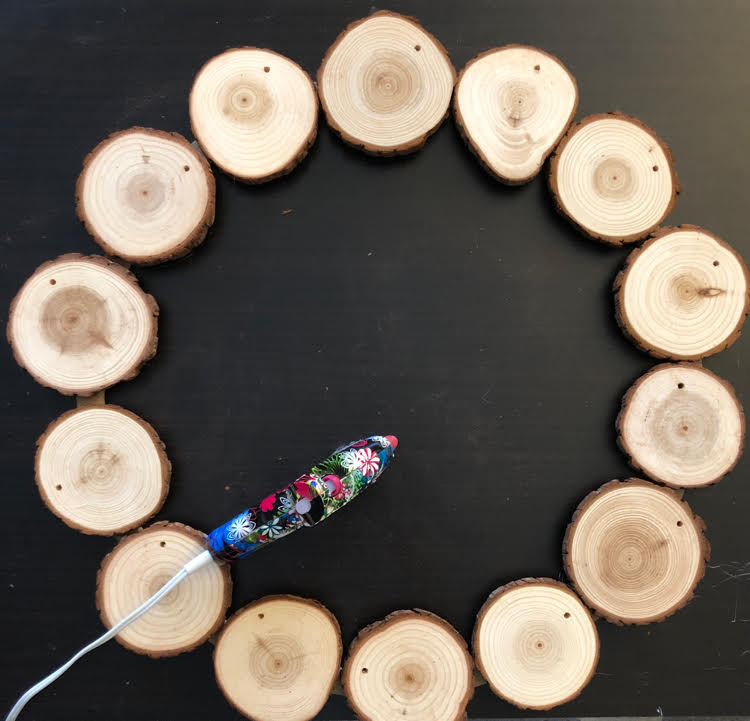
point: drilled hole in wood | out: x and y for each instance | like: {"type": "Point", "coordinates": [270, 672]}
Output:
{"type": "Point", "coordinates": [52, 281]}
{"type": "Point", "coordinates": [58, 487]}
{"type": "Point", "coordinates": [417, 47]}
{"type": "Point", "coordinates": [680, 385]}
{"type": "Point", "coordinates": [163, 543]}
{"type": "Point", "coordinates": [266, 69]}
{"type": "Point", "coordinates": [716, 262]}
{"type": "Point", "coordinates": [655, 168]}
{"type": "Point", "coordinates": [364, 670]}
{"type": "Point", "coordinates": [679, 523]}
{"type": "Point", "coordinates": [186, 168]}
{"type": "Point", "coordinates": [261, 615]}
{"type": "Point", "coordinates": [537, 68]}
{"type": "Point", "coordinates": [566, 615]}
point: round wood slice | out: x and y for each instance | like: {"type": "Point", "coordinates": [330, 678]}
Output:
{"type": "Point", "coordinates": [386, 84]}
{"type": "Point", "coordinates": [139, 566]}
{"type": "Point", "coordinates": [254, 113]}
{"type": "Point", "coordinates": [683, 294]}
{"type": "Point", "coordinates": [536, 643]}
{"type": "Point", "coordinates": [613, 178]}
{"type": "Point", "coordinates": [278, 658]}
{"type": "Point", "coordinates": [82, 323]}
{"type": "Point", "coordinates": [145, 195]}
{"type": "Point", "coordinates": [411, 665]}
{"type": "Point", "coordinates": [512, 105]}
{"type": "Point", "coordinates": [682, 425]}
{"type": "Point", "coordinates": [634, 551]}
{"type": "Point", "coordinates": [102, 469]}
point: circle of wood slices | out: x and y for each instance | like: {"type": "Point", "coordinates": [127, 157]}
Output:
{"type": "Point", "coordinates": [102, 469]}
{"type": "Point", "coordinates": [278, 658]}
{"type": "Point", "coordinates": [146, 195]}
{"type": "Point", "coordinates": [81, 323]}
{"type": "Point", "coordinates": [683, 294]}
{"type": "Point", "coordinates": [411, 665]}
{"type": "Point", "coordinates": [254, 113]}
{"type": "Point", "coordinates": [682, 425]}
{"type": "Point", "coordinates": [536, 643]}
{"type": "Point", "coordinates": [613, 178]}
{"type": "Point", "coordinates": [386, 84]}
{"type": "Point", "coordinates": [512, 105]}
{"type": "Point", "coordinates": [634, 551]}
{"type": "Point", "coordinates": [139, 566]}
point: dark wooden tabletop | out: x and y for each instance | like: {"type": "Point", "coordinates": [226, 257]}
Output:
{"type": "Point", "coordinates": [414, 296]}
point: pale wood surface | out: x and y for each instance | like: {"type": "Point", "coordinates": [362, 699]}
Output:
{"type": "Point", "coordinates": [513, 105]}
{"type": "Point", "coordinates": [613, 178]}
{"type": "Point", "coordinates": [81, 323]}
{"type": "Point", "coordinates": [254, 113]}
{"type": "Point", "coordinates": [385, 84]}
{"type": "Point", "coordinates": [536, 643]}
{"type": "Point", "coordinates": [102, 469]}
{"type": "Point", "coordinates": [139, 566]}
{"type": "Point", "coordinates": [634, 551]}
{"type": "Point", "coordinates": [410, 666]}
{"type": "Point", "coordinates": [277, 659]}
{"type": "Point", "coordinates": [682, 425]}
{"type": "Point", "coordinates": [683, 294]}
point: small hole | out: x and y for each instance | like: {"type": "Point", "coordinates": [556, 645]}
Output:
{"type": "Point", "coordinates": [566, 615]}
{"type": "Point", "coordinates": [684, 428]}
{"type": "Point", "coordinates": [679, 523]}
{"type": "Point", "coordinates": [364, 670]}
{"type": "Point", "coordinates": [186, 168]}
{"type": "Point", "coordinates": [163, 543]}
{"type": "Point", "coordinates": [716, 262]}
{"type": "Point", "coordinates": [537, 68]}
{"type": "Point", "coordinates": [680, 385]}
{"type": "Point", "coordinates": [58, 487]}
{"type": "Point", "coordinates": [53, 281]}
{"type": "Point", "coordinates": [655, 168]}
{"type": "Point", "coordinates": [417, 47]}
{"type": "Point", "coordinates": [261, 615]}
{"type": "Point", "coordinates": [266, 69]}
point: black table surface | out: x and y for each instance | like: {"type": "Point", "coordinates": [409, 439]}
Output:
{"type": "Point", "coordinates": [414, 296]}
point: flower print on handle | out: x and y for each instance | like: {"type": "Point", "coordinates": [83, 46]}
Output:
{"type": "Point", "coordinates": [275, 528]}
{"type": "Point", "coordinates": [267, 503]}
{"type": "Point", "coordinates": [367, 461]}
{"type": "Point", "coordinates": [240, 528]}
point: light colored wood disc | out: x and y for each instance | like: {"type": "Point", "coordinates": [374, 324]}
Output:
{"type": "Point", "coordinates": [82, 323]}
{"type": "Point", "coordinates": [683, 294]}
{"type": "Point", "coordinates": [386, 84]}
{"type": "Point", "coordinates": [512, 105]}
{"type": "Point", "coordinates": [254, 113]}
{"type": "Point", "coordinates": [278, 658]}
{"type": "Point", "coordinates": [613, 178]}
{"type": "Point", "coordinates": [536, 643]}
{"type": "Point", "coordinates": [411, 665]}
{"type": "Point", "coordinates": [634, 551]}
{"type": "Point", "coordinates": [145, 195]}
{"type": "Point", "coordinates": [139, 566]}
{"type": "Point", "coordinates": [682, 425]}
{"type": "Point", "coordinates": [102, 469]}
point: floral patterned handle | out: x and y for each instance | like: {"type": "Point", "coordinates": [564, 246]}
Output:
{"type": "Point", "coordinates": [328, 486]}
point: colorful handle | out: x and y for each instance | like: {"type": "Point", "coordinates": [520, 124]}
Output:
{"type": "Point", "coordinates": [328, 486]}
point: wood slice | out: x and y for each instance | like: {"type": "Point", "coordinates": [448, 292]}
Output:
{"type": "Point", "coordinates": [635, 552]}
{"type": "Point", "coordinates": [81, 323]}
{"type": "Point", "coordinates": [682, 425]}
{"type": "Point", "coordinates": [386, 84]}
{"type": "Point", "coordinates": [683, 294]}
{"type": "Point", "coordinates": [278, 658]}
{"type": "Point", "coordinates": [139, 566]}
{"type": "Point", "coordinates": [410, 665]}
{"type": "Point", "coordinates": [613, 178]}
{"type": "Point", "coordinates": [512, 105]}
{"type": "Point", "coordinates": [145, 195]}
{"type": "Point", "coordinates": [254, 113]}
{"type": "Point", "coordinates": [102, 469]}
{"type": "Point", "coordinates": [536, 643]}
